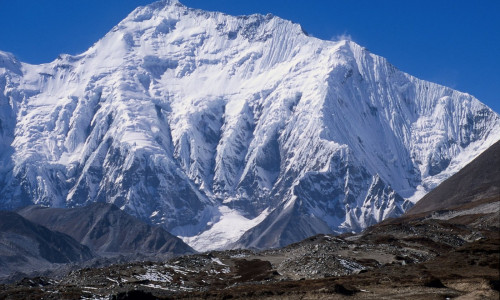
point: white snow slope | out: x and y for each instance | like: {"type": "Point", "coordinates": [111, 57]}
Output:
{"type": "Point", "coordinates": [230, 131]}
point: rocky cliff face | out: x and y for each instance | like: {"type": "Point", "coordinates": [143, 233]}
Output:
{"type": "Point", "coordinates": [223, 128]}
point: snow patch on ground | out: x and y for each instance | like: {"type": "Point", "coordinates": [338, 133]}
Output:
{"type": "Point", "coordinates": [154, 275]}
{"type": "Point", "coordinates": [217, 261]}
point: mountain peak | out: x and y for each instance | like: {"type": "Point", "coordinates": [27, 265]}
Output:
{"type": "Point", "coordinates": [166, 13]}
{"type": "Point", "coordinates": [145, 12]}
{"type": "Point", "coordinates": [219, 127]}
{"type": "Point", "coordinates": [9, 62]}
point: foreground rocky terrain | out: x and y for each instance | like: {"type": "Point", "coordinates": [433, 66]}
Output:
{"type": "Point", "coordinates": [446, 255]}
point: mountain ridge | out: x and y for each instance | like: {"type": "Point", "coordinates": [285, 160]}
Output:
{"type": "Point", "coordinates": [191, 120]}
{"type": "Point", "coordinates": [27, 247]}
{"type": "Point", "coordinates": [107, 230]}
{"type": "Point", "coordinates": [478, 181]}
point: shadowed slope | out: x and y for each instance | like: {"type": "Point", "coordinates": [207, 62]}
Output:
{"type": "Point", "coordinates": [479, 180]}
{"type": "Point", "coordinates": [107, 230]}
{"type": "Point", "coordinates": [26, 246]}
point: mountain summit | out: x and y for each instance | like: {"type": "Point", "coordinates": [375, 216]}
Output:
{"type": "Point", "coordinates": [225, 130]}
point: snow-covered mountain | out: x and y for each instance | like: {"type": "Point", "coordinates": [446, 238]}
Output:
{"type": "Point", "coordinates": [240, 131]}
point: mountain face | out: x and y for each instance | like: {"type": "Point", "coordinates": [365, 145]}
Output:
{"type": "Point", "coordinates": [26, 246]}
{"type": "Point", "coordinates": [227, 130]}
{"type": "Point", "coordinates": [107, 230]}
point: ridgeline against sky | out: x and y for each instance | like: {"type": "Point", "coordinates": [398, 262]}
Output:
{"type": "Point", "coordinates": [454, 43]}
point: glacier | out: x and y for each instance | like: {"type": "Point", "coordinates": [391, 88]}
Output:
{"type": "Point", "coordinates": [230, 131]}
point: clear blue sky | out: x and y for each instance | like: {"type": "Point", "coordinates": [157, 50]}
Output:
{"type": "Point", "coordinates": [454, 42]}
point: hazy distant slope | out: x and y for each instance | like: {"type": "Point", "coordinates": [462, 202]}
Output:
{"type": "Point", "coordinates": [26, 246]}
{"type": "Point", "coordinates": [107, 230]}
